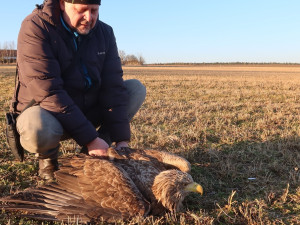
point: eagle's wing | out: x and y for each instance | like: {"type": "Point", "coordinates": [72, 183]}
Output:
{"type": "Point", "coordinates": [170, 160]}
{"type": "Point", "coordinates": [107, 184]}
{"type": "Point", "coordinates": [48, 203]}
{"type": "Point", "coordinates": [88, 189]}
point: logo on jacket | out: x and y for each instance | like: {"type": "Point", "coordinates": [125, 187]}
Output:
{"type": "Point", "coordinates": [100, 53]}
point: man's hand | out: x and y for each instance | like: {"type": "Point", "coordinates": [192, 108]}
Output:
{"type": "Point", "coordinates": [122, 144]}
{"type": "Point", "coordinates": [97, 147]}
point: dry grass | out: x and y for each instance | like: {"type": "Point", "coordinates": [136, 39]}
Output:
{"type": "Point", "coordinates": [232, 124]}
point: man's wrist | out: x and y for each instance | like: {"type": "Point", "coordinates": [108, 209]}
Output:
{"type": "Point", "coordinates": [122, 144]}
{"type": "Point", "coordinates": [97, 143]}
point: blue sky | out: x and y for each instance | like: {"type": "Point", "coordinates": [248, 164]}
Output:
{"type": "Point", "coordinates": [192, 30]}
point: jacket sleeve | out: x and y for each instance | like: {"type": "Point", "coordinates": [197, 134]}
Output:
{"type": "Point", "coordinates": [114, 96]}
{"type": "Point", "coordinates": [40, 72]}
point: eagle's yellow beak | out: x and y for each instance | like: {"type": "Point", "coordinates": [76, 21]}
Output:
{"type": "Point", "coordinates": [194, 187]}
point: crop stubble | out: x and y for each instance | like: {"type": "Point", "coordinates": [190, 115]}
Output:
{"type": "Point", "coordinates": [233, 123]}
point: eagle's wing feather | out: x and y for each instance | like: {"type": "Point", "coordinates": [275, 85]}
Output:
{"type": "Point", "coordinates": [48, 204]}
{"type": "Point", "coordinates": [170, 160]}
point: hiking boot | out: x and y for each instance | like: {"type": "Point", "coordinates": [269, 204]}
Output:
{"type": "Point", "coordinates": [48, 164]}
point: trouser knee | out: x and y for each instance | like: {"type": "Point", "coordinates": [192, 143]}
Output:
{"type": "Point", "coordinates": [39, 130]}
{"type": "Point", "coordinates": [137, 94]}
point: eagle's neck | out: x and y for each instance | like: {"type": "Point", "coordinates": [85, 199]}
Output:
{"type": "Point", "coordinates": [168, 192]}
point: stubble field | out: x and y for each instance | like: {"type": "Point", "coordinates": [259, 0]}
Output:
{"type": "Point", "coordinates": [238, 126]}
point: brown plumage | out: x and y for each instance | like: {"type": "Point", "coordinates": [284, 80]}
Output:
{"type": "Point", "coordinates": [129, 183]}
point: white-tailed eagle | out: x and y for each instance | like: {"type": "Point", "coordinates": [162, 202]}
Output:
{"type": "Point", "coordinates": [129, 183]}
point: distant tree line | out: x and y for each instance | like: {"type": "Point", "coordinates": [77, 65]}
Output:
{"type": "Point", "coordinates": [131, 59]}
{"type": "Point", "coordinates": [8, 52]}
{"type": "Point", "coordinates": [8, 55]}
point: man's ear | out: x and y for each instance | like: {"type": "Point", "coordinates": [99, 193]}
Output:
{"type": "Point", "coordinates": [62, 5]}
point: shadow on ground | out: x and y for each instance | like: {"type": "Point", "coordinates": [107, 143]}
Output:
{"type": "Point", "coordinates": [261, 172]}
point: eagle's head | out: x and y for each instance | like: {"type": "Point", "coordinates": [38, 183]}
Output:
{"type": "Point", "coordinates": [170, 187]}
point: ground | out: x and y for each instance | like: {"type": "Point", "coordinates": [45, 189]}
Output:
{"type": "Point", "coordinates": [237, 125]}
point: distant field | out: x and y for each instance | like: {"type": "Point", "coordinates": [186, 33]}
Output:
{"type": "Point", "coordinates": [237, 125]}
{"type": "Point", "coordinates": [250, 68]}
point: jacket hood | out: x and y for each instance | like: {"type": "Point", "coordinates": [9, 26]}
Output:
{"type": "Point", "coordinates": [50, 11]}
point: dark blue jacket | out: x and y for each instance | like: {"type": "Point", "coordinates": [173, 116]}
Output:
{"type": "Point", "coordinates": [89, 94]}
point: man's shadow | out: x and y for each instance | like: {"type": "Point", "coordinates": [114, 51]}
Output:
{"type": "Point", "coordinates": [253, 170]}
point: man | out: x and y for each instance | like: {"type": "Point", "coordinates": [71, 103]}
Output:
{"type": "Point", "coordinates": [69, 67]}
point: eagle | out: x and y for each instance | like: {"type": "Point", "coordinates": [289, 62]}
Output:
{"type": "Point", "coordinates": [125, 184]}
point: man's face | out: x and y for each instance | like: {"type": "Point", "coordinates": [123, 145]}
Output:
{"type": "Point", "coordinates": [79, 17]}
